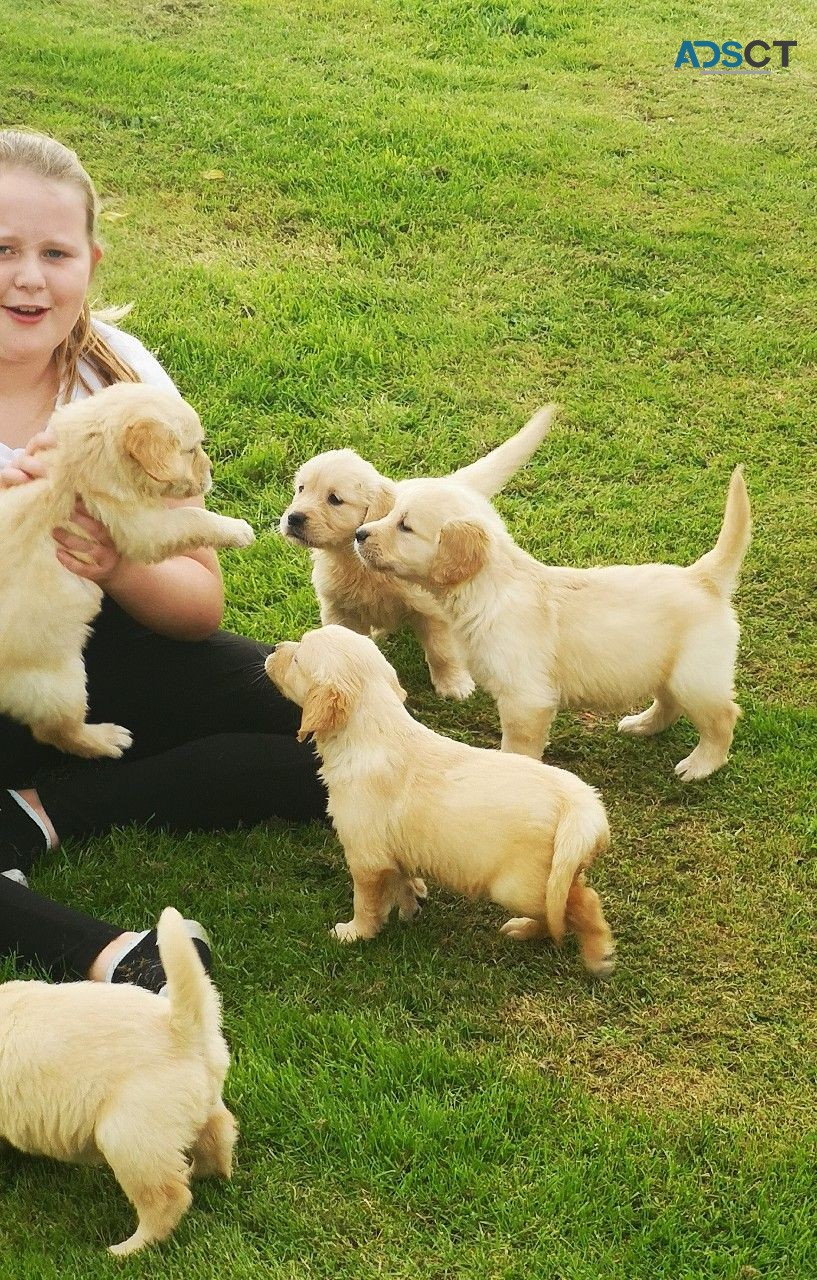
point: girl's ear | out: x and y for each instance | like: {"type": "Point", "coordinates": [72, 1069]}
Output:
{"type": "Point", "coordinates": [96, 256]}
{"type": "Point", "coordinates": [327, 708]}
{"type": "Point", "coordinates": [462, 550]}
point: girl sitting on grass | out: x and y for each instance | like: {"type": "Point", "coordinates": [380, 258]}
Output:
{"type": "Point", "coordinates": [214, 744]}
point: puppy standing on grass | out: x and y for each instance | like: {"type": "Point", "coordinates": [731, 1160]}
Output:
{"type": "Point", "coordinates": [335, 493]}
{"type": "Point", "coordinates": [124, 452]}
{"type": "Point", "coordinates": [406, 801]}
{"type": "Point", "coordinates": [539, 638]}
{"type": "Point", "coordinates": [92, 1072]}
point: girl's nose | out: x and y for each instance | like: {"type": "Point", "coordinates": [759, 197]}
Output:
{"type": "Point", "coordinates": [29, 273]}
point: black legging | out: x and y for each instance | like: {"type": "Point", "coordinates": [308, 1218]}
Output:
{"type": "Point", "coordinates": [214, 747]}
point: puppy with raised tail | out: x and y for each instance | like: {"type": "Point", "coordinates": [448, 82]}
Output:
{"type": "Point", "coordinates": [338, 491]}
{"type": "Point", "coordinates": [539, 638]}
{"type": "Point", "coordinates": [125, 452]}
{"type": "Point", "coordinates": [407, 802]}
{"type": "Point", "coordinates": [92, 1072]}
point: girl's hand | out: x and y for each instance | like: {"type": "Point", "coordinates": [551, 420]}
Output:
{"type": "Point", "coordinates": [32, 465]}
{"type": "Point", "coordinates": [90, 554]}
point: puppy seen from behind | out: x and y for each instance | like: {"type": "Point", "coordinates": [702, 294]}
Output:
{"type": "Point", "coordinates": [539, 638]}
{"type": "Point", "coordinates": [408, 802]}
{"type": "Point", "coordinates": [92, 1072]}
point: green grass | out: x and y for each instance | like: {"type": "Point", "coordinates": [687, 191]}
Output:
{"type": "Point", "coordinates": [434, 217]}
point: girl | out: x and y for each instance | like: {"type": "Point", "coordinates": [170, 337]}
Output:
{"type": "Point", "coordinates": [214, 745]}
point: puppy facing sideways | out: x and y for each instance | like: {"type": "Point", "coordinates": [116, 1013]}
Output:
{"type": "Point", "coordinates": [124, 452]}
{"type": "Point", "coordinates": [406, 801]}
{"type": "Point", "coordinates": [338, 491]}
{"type": "Point", "coordinates": [539, 638]}
{"type": "Point", "coordinates": [92, 1072]}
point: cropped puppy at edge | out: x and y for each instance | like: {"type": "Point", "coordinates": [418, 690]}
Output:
{"type": "Point", "coordinates": [406, 801]}
{"type": "Point", "coordinates": [336, 492]}
{"type": "Point", "coordinates": [124, 452]}
{"type": "Point", "coordinates": [539, 638]}
{"type": "Point", "coordinates": [92, 1072]}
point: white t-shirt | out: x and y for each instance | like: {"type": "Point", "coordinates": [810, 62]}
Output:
{"type": "Point", "coordinates": [135, 355]}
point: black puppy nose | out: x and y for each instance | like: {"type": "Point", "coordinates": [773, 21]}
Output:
{"type": "Point", "coordinates": [296, 519]}
{"type": "Point", "coordinates": [361, 534]}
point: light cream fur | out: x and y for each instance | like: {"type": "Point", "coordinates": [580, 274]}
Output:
{"type": "Point", "coordinates": [407, 802]}
{"type": "Point", "coordinates": [95, 1073]}
{"type": "Point", "coordinates": [539, 638]}
{"type": "Point", "coordinates": [338, 491]}
{"type": "Point", "coordinates": [125, 452]}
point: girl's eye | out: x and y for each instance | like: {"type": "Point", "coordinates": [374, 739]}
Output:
{"type": "Point", "coordinates": [5, 248]}
{"type": "Point", "coordinates": [334, 500]}
{"type": "Point", "coordinates": [55, 253]}
{"type": "Point", "coordinates": [403, 527]}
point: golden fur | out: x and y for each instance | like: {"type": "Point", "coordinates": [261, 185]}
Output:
{"type": "Point", "coordinates": [406, 801]}
{"type": "Point", "coordinates": [94, 1073]}
{"type": "Point", "coordinates": [338, 491]}
{"type": "Point", "coordinates": [124, 451]}
{"type": "Point", "coordinates": [539, 638]}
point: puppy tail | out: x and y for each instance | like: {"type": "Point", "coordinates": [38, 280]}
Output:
{"type": "Point", "coordinates": [195, 1008]}
{"type": "Point", "coordinates": [492, 473]}
{"type": "Point", "coordinates": [721, 565]}
{"type": "Point", "coordinates": [581, 833]}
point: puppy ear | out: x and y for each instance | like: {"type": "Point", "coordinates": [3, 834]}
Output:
{"type": "Point", "coordinates": [153, 446]}
{"type": "Point", "coordinates": [327, 707]}
{"type": "Point", "coordinates": [381, 501]}
{"type": "Point", "coordinates": [462, 549]}
{"type": "Point", "coordinates": [396, 686]}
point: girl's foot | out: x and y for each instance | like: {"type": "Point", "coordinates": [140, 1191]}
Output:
{"type": "Point", "coordinates": [134, 958]}
{"type": "Point", "coordinates": [25, 831]}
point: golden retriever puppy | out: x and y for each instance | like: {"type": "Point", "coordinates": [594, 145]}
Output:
{"type": "Point", "coordinates": [407, 802]}
{"type": "Point", "coordinates": [124, 451]}
{"type": "Point", "coordinates": [338, 491]}
{"type": "Point", "coordinates": [539, 638]}
{"type": "Point", "coordinates": [92, 1072]}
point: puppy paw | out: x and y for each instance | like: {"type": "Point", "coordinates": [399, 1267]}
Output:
{"type": "Point", "coordinates": [345, 932]}
{"type": "Point", "coordinates": [102, 740]}
{"type": "Point", "coordinates": [237, 533]}
{"type": "Point", "coordinates": [695, 767]}
{"type": "Point", "coordinates": [413, 897]}
{"type": "Point", "coordinates": [131, 1245]}
{"type": "Point", "coordinates": [456, 684]}
{"type": "Point", "coordinates": [636, 725]}
{"type": "Point", "coordinates": [601, 966]}
{"type": "Point", "coordinates": [521, 928]}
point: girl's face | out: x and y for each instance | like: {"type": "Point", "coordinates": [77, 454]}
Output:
{"type": "Point", "coordinates": [46, 263]}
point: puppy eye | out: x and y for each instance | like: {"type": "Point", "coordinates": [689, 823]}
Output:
{"type": "Point", "coordinates": [403, 527]}
{"type": "Point", "coordinates": [334, 500]}
{"type": "Point", "coordinates": [300, 489]}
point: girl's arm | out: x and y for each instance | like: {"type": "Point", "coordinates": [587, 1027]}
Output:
{"type": "Point", "coordinates": [182, 597]}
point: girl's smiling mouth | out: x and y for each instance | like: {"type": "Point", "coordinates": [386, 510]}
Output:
{"type": "Point", "coordinates": [26, 314]}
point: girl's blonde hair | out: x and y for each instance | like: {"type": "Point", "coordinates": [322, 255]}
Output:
{"type": "Point", "coordinates": [46, 158]}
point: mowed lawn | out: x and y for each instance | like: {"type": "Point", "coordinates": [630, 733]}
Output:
{"type": "Point", "coordinates": [402, 226]}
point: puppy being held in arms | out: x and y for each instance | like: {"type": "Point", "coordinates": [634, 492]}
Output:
{"type": "Point", "coordinates": [540, 637]}
{"type": "Point", "coordinates": [92, 1072]}
{"type": "Point", "coordinates": [126, 453]}
{"type": "Point", "coordinates": [406, 801]}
